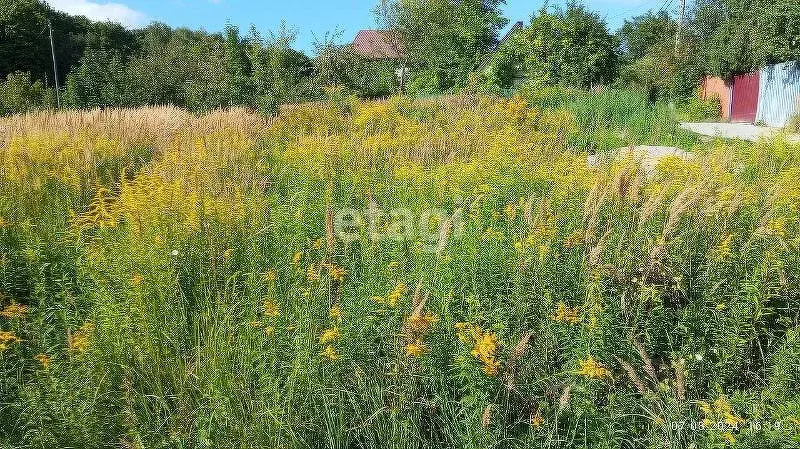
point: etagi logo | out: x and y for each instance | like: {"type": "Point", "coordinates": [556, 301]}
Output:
{"type": "Point", "coordinates": [432, 227]}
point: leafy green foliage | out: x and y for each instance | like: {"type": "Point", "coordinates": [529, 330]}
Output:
{"type": "Point", "coordinates": [443, 39]}
{"type": "Point", "coordinates": [736, 36]}
{"type": "Point", "coordinates": [571, 46]}
{"type": "Point", "coordinates": [339, 65]}
{"type": "Point", "coordinates": [19, 94]}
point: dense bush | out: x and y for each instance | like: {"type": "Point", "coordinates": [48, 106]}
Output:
{"type": "Point", "coordinates": [19, 93]}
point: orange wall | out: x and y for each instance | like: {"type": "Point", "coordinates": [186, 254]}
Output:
{"type": "Point", "coordinates": [713, 86]}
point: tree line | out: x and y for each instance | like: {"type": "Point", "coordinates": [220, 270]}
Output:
{"type": "Point", "coordinates": [448, 46]}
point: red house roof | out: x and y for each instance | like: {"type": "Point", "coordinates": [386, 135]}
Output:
{"type": "Point", "coordinates": [378, 44]}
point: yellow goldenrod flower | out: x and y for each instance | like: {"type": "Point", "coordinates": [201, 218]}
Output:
{"type": "Point", "coordinates": [416, 348]}
{"type": "Point", "coordinates": [537, 420]}
{"type": "Point", "coordinates": [296, 258]}
{"type": "Point", "coordinates": [336, 273]}
{"type": "Point", "coordinates": [269, 276]}
{"type": "Point", "coordinates": [566, 314]}
{"type": "Point", "coordinates": [271, 308]}
{"type": "Point", "coordinates": [593, 369]}
{"type": "Point", "coordinates": [723, 251]}
{"type": "Point", "coordinates": [79, 340]}
{"type": "Point", "coordinates": [329, 336]}
{"type": "Point", "coordinates": [335, 314]}
{"type": "Point", "coordinates": [7, 338]}
{"type": "Point", "coordinates": [44, 360]}
{"type": "Point", "coordinates": [510, 211]}
{"type": "Point", "coordinates": [485, 349]}
{"type": "Point", "coordinates": [330, 353]}
{"type": "Point", "coordinates": [729, 437]}
{"type": "Point", "coordinates": [14, 311]}
{"type": "Point", "coordinates": [312, 274]}
{"type": "Point", "coordinates": [137, 279]}
{"type": "Point", "coordinates": [574, 239]}
{"type": "Point", "coordinates": [396, 295]}
{"type": "Point", "coordinates": [420, 323]}
{"type": "Point", "coordinates": [777, 227]}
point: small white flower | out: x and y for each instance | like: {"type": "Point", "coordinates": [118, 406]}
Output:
{"type": "Point", "coordinates": [698, 357]}
{"type": "Point", "coordinates": [174, 252]}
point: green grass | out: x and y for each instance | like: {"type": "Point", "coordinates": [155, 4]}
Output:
{"type": "Point", "coordinates": [684, 282]}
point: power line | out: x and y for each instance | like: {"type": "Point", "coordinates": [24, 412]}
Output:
{"type": "Point", "coordinates": [636, 8]}
{"type": "Point", "coordinates": [682, 16]}
{"type": "Point", "coordinates": [55, 67]}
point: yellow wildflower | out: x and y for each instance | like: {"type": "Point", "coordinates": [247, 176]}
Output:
{"type": "Point", "coordinates": [44, 360]}
{"type": "Point", "coordinates": [296, 258]}
{"type": "Point", "coordinates": [723, 251]}
{"type": "Point", "coordinates": [566, 314]}
{"type": "Point", "coordinates": [330, 353]}
{"type": "Point", "coordinates": [485, 349]}
{"type": "Point", "coordinates": [318, 243]}
{"type": "Point", "coordinates": [537, 420]}
{"type": "Point", "coordinates": [510, 211]}
{"type": "Point", "coordinates": [393, 266]}
{"type": "Point", "coordinates": [335, 314]}
{"type": "Point", "coordinates": [137, 279]}
{"type": "Point", "coordinates": [777, 227]}
{"type": "Point", "coordinates": [14, 311]}
{"type": "Point", "coordinates": [729, 437]}
{"type": "Point", "coordinates": [6, 339]}
{"type": "Point", "coordinates": [3, 222]}
{"type": "Point", "coordinates": [329, 336]}
{"type": "Point", "coordinates": [336, 273]}
{"type": "Point", "coordinates": [271, 308]}
{"type": "Point", "coordinates": [395, 295]}
{"type": "Point", "coordinates": [311, 273]}
{"type": "Point", "coordinates": [269, 276]}
{"type": "Point", "coordinates": [574, 239]}
{"type": "Point", "coordinates": [419, 323]}
{"type": "Point", "coordinates": [416, 348]}
{"type": "Point", "coordinates": [593, 369]}
{"type": "Point", "coordinates": [79, 340]}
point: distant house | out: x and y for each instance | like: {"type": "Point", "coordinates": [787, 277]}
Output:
{"type": "Point", "coordinates": [379, 45]}
{"type": "Point", "coordinates": [383, 45]}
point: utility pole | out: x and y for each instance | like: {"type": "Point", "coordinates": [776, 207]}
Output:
{"type": "Point", "coordinates": [680, 26]}
{"type": "Point", "coordinates": [55, 67]}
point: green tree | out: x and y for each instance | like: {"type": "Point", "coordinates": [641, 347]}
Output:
{"type": "Point", "coordinates": [641, 34]}
{"type": "Point", "coordinates": [736, 36]}
{"type": "Point", "coordinates": [98, 81]}
{"type": "Point", "coordinates": [444, 39]}
{"type": "Point", "coordinates": [19, 93]}
{"type": "Point", "coordinates": [571, 46]}
{"type": "Point", "coordinates": [280, 74]}
{"type": "Point", "coordinates": [648, 60]}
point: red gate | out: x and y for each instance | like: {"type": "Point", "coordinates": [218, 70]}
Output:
{"type": "Point", "coordinates": [745, 98]}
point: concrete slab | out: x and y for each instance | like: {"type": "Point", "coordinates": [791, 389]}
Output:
{"type": "Point", "coordinates": [743, 131]}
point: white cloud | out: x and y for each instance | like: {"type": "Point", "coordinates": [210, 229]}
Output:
{"type": "Point", "coordinates": [115, 12]}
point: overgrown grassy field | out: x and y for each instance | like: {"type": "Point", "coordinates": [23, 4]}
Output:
{"type": "Point", "coordinates": [397, 274]}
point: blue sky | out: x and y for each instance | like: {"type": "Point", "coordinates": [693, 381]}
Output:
{"type": "Point", "coordinates": [309, 17]}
